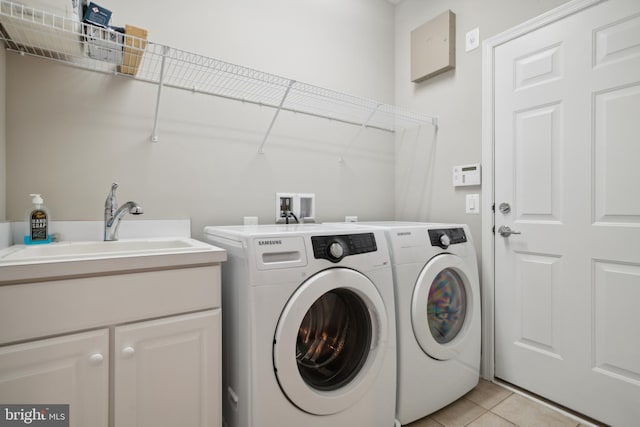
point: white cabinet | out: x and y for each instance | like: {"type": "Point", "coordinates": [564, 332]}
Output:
{"type": "Point", "coordinates": [72, 369]}
{"type": "Point", "coordinates": [137, 343]}
{"type": "Point", "coordinates": [166, 372]}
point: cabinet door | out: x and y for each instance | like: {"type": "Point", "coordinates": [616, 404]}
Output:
{"type": "Point", "coordinates": [167, 372]}
{"type": "Point", "coordinates": [72, 369]}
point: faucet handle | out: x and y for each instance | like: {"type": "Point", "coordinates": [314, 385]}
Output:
{"type": "Point", "coordinates": [111, 202]}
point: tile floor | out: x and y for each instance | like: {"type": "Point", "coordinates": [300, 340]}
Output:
{"type": "Point", "coordinates": [490, 405]}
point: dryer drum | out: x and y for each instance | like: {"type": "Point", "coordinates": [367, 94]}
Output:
{"type": "Point", "coordinates": [334, 339]}
{"type": "Point", "coordinates": [446, 306]}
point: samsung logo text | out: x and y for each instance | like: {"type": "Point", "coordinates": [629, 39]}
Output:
{"type": "Point", "coordinates": [269, 242]}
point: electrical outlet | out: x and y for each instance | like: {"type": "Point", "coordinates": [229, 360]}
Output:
{"type": "Point", "coordinates": [302, 205]}
{"type": "Point", "coordinates": [250, 220]}
{"type": "Point", "coordinates": [284, 203]}
{"type": "Point", "coordinates": [472, 39]}
{"type": "Point", "coordinates": [307, 207]}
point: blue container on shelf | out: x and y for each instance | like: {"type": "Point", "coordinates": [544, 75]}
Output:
{"type": "Point", "coordinates": [97, 15]}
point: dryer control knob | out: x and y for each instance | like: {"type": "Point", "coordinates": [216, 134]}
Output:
{"type": "Point", "coordinates": [445, 240]}
{"type": "Point", "coordinates": [336, 251]}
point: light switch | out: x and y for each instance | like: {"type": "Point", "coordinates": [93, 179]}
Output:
{"type": "Point", "coordinates": [473, 204]}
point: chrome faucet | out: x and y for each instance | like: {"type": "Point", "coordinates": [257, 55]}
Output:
{"type": "Point", "coordinates": [113, 215]}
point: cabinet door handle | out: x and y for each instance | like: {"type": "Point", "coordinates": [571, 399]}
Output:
{"type": "Point", "coordinates": [128, 352]}
{"type": "Point", "coordinates": [96, 359]}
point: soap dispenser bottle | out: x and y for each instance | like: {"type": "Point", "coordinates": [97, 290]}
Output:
{"type": "Point", "coordinates": [37, 223]}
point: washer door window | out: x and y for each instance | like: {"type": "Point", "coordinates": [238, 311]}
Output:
{"type": "Point", "coordinates": [330, 341]}
{"type": "Point", "coordinates": [333, 340]}
{"type": "Point", "coordinates": [441, 306]}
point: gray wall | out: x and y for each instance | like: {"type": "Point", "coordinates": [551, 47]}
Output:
{"type": "Point", "coordinates": [3, 145]}
{"type": "Point", "coordinates": [424, 189]}
{"type": "Point", "coordinates": [70, 132]}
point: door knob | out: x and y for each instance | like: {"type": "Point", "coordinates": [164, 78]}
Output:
{"type": "Point", "coordinates": [505, 207]}
{"type": "Point", "coordinates": [506, 231]}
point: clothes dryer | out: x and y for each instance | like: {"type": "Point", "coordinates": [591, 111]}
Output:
{"type": "Point", "coordinates": [308, 326]}
{"type": "Point", "coordinates": [437, 314]}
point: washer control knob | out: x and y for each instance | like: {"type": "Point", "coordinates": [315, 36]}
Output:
{"type": "Point", "coordinates": [336, 251]}
{"type": "Point", "coordinates": [445, 241]}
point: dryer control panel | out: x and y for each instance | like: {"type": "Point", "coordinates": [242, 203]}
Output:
{"type": "Point", "coordinates": [334, 248]}
{"type": "Point", "coordinates": [447, 236]}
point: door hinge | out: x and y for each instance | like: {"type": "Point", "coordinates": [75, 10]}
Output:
{"type": "Point", "coordinates": [493, 208]}
{"type": "Point", "coordinates": [493, 229]}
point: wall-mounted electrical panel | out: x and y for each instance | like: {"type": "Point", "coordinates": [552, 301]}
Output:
{"type": "Point", "coordinates": [301, 205]}
{"type": "Point", "coordinates": [433, 47]}
{"type": "Point", "coordinates": [466, 175]}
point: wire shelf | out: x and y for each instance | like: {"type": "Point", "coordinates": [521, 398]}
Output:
{"type": "Point", "coordinates": [65, 39]}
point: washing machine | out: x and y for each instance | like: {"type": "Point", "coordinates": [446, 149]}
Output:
{"type": "Point", "coordinates": [309, 335]}
{"type": "Point", "coordinates": [437, 314]}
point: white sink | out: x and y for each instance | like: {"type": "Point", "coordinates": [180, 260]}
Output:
{"type": "Point", "coordinates": [98, 249]}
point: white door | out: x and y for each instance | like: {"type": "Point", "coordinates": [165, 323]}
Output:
{"type": "Point", "coordinates": [167, 372]}
{"type": "Point", "coordinates": [71, 370]}
{"type": "Point", "coordinates": [567, 162]}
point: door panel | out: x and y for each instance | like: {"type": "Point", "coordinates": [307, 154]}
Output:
{"type": "Point", "coordinates": [567, 103]}
{"type": "Point", "coordinates": [615, 169]}
{"type": "Point", "coordinates": [537, 143]}
{"type": "Point", "coordinates": [615, 355]}
{"type": "Point", "coordinates": [537, 276]}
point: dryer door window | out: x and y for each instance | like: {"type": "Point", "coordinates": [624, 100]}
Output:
{"type": "Point", "coordinates": [331, 341]}
{"type": "Point", "coordinates": [442, 306]}
{"type": "Point", "coordinates": [446, 306]}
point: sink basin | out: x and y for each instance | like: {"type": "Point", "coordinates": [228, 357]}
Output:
{"type": "Point", "coordinates": [66, 260]}
{"type": "Point", "coordinates": [98, 249]}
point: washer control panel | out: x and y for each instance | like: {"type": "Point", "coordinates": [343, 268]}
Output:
{"type": "Point", "coordinates": [334, 248]}
{"type": "Point", "coordinates": [447, 236]}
